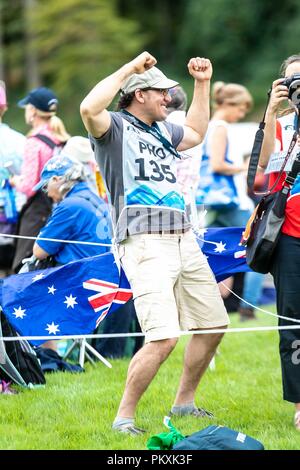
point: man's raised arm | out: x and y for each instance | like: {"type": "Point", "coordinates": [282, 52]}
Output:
{"type": "Point", "coordinates": [93, 110]}
{"type": "Point", "coordinates": [198, 114]}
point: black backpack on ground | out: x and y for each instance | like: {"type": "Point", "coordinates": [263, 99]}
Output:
{"type": "Point", "coordinates": [18, 361]}
{"type": "Point", "coordinates": [51, 361]}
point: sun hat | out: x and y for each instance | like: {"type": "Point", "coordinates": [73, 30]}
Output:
{"type": "Point", "coordinates": [78, 148]}
{"type": "Point", "coordinates": [56, 166]}
{"type": "Point", "coordinates": [153, 78]}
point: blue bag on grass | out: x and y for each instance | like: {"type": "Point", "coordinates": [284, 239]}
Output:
{"type": "Point", "coordinates": [211, 438]}
{"type": "Point", "coordinates": [218, 438]}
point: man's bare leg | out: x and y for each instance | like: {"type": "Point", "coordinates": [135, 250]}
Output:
{"type": "Point", "coordinates": [142, 369]}
{"type": "Point", "coordinates": [199, 352]}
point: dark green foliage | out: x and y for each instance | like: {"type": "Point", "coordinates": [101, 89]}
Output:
{"type": "Point", "coordinates": [77, 43]}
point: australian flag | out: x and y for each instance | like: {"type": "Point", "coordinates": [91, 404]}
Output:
{"type": "Point", "coordinates": [70, 299]}
{"type": "Point", "coordinates": [225, 254]}
{"type": "Point", "coordinates": [74, 298]}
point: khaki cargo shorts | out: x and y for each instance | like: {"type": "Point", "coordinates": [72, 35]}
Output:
{"type": "Point", "coordinates": [173, 286]}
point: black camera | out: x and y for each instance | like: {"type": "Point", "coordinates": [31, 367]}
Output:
{"type": "Point", "coordinates": [293, 84]}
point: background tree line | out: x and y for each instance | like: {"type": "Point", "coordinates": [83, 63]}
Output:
{"type": "Point", "coordinates": [69, 45]}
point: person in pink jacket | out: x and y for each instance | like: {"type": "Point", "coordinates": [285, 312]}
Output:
{"type": "Point", "coordinates": [47, 135]}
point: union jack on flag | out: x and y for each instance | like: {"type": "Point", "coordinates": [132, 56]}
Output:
{"type": "Point", "coordinates": [56, 302]}
{"type": "Point", "coordinates": [109, 293]}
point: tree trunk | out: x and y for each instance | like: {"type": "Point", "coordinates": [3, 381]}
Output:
{"type": "Point", "coordinates": [32, 67]}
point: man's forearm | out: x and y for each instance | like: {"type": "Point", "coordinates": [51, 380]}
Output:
{"type": "Point", "coordinates": [198, 114]}
{"type": "Point", "coordinates": [93, 108]}
{"type": "Point", "coordinates": [268, 145]}
{"type": "Point", "coordinates": [101, 96]}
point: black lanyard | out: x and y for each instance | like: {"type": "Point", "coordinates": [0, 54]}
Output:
{"type": "Point", "coordinates": [153, 130]}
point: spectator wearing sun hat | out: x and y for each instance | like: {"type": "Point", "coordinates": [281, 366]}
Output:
{"type": "Point", "coordinates": [79, 215]}
{"type": "Point", "coordinates": [40, 113]}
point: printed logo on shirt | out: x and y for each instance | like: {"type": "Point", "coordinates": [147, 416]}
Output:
{"type": "Point", "coordinates": [152, 150]}
{"type": "Point", "coordinates": [133, 129]}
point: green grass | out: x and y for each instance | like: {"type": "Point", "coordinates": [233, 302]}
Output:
{"type": "Point", "coordinates": [76, 411]}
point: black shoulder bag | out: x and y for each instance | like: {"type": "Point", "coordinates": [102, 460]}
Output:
{"type": "Point", "coordinates": [264, 226]}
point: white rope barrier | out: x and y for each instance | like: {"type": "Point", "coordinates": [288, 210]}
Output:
{"type": "Point", "coordinates": [132, 335]}
{"type": "Point", "coordinates": [23, 237]}
{"type": "Point", "coordinates": [294, 320]}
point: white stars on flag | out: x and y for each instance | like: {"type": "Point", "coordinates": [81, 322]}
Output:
{"type": "Point", "coordinates": [19, 312]}
{"type": "Point", "coordinates": [52, 328]}
{"type": "Point", "coordinates": [51, 290]}
{"type": "Point", "coordinates": [70, 301]}
{"type": "Point", "coordinates": [201, 232]}
{"type": "Point", "coordinates": [220, 247]}
{"type": "Point", "coordinates": [38, 277]}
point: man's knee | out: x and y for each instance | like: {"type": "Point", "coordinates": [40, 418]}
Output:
{"type": "Point", "coordinates": [212, 339]}
{"type": "Point", "coordinates": [218, 336]}
{"type": "Point", "coordinates": [165, 347]}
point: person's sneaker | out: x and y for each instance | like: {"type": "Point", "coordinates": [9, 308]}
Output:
{"type": "Point", "coordinates": [129, 428]}
{"type": "Point", "coordinates": [202, 413]}
{"type": "Point", "coordinates": [197, 412]}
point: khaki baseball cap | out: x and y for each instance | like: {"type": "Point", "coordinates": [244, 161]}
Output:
{"type": "Point", "coordinates": [153, 78]}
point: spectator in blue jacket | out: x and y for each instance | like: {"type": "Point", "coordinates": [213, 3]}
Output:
{"type": "Point", "coordinates": [80, 215]}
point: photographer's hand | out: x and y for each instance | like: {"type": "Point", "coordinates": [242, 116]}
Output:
{"type": "Point", "coordinates": [279, 94]}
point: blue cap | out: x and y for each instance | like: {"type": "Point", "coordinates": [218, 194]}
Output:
{"type": "Point", "coordinates": [56, 166]}
{"type": "Point", "coordinates": [41, 98]}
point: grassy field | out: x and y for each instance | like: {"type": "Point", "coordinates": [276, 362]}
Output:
{"type": "Point", "coordinates": [76, 411]}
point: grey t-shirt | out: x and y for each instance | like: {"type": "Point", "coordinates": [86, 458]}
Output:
{"type": "Point", "coordinates": [140, 177]}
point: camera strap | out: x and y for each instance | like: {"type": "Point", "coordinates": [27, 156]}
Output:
{"type": "Point", "coordinates": [256, 150]}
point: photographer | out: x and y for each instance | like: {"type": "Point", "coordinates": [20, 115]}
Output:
{"type": "Point", "coordinates": [286, 261]}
